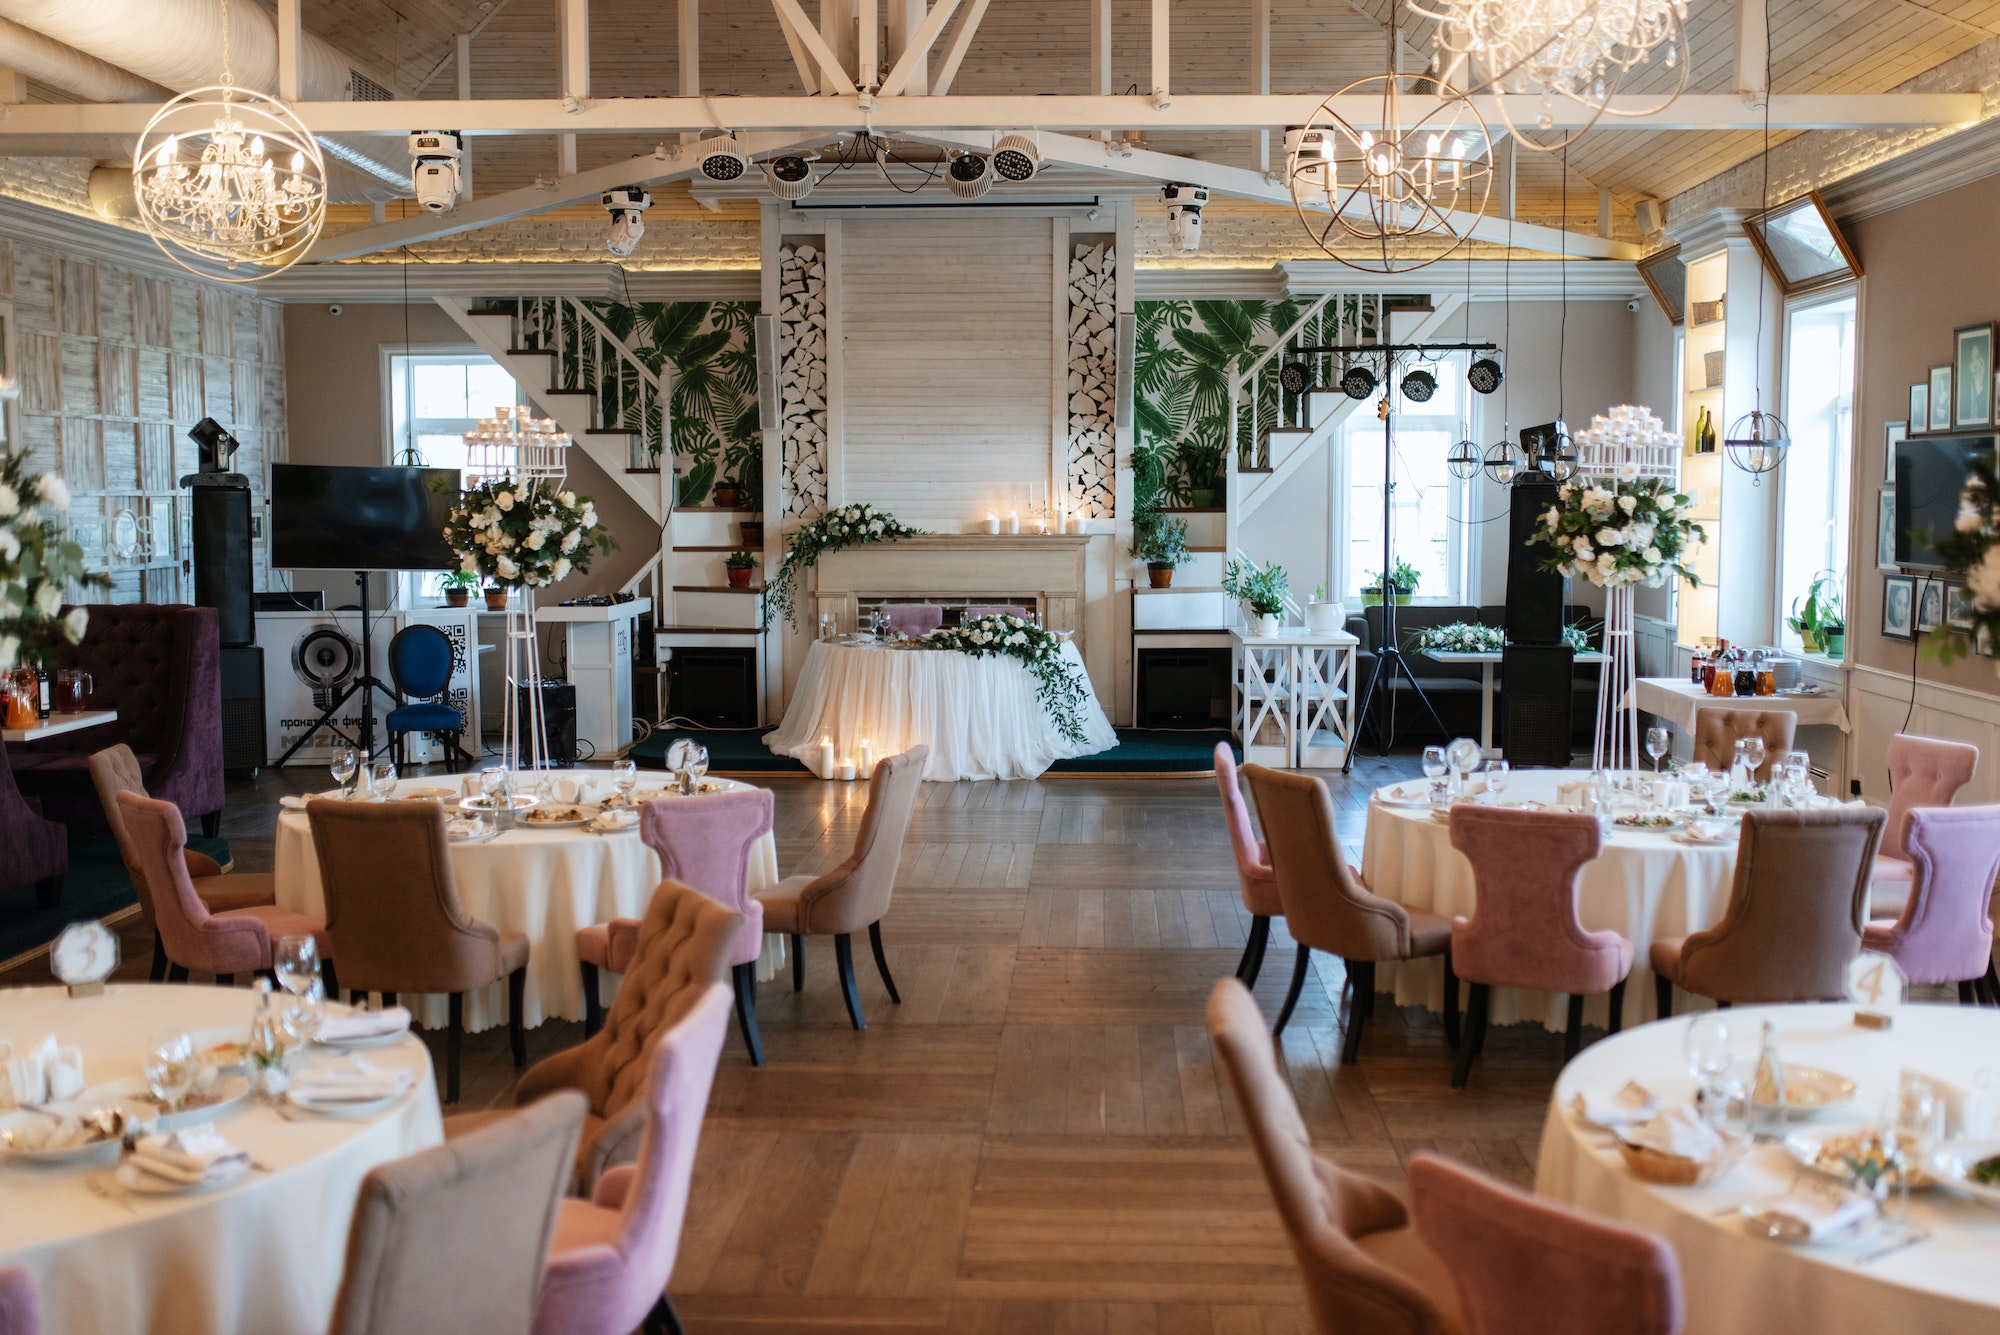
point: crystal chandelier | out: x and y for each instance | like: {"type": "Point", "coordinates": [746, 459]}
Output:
{"type": "Point", "coordinates": [1577, 50]}
{"type": "Point", "coordinates": [228, 178]}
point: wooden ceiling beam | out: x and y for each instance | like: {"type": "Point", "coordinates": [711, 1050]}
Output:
{"type": "Point", "coordinates": [919, 48]}
{"type": "Point", "coordinates": [961, 42]}
{"type": "Point", "coordinates": [801, 29]}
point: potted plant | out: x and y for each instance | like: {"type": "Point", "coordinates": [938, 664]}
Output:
{"type": "Point", "coordinates": [1263, 590]}
{"type": "Point", "coordinates": [1402, 584]}
{"type": "Point", "coordinates": [728, 494]}
{"type": "Point", "coordinates": [496, 598]}
{"type": "Point", "coordinates": [1162, 544]}
{"type": "Point", "coordinates": [739, 565]}
{"type": "Point", "coordinates": [458, 587]}
{"type": "Point", "coordinates": [753, 532]}
{"type": "Point", "coordinates": [1201, 471]}
{"type": "Point", "coordinates": [1817, 610]}
{"type": "Point", "coordinates": [1323, 614]}
{"type": "Point", "coordinates": [1833, 635]}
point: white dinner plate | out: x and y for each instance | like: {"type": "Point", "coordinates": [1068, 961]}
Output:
{"type": "Point", "coordinates": [1414, 793]}
{"type": "Point", "coordinates": [142, 1183]}
{"type": "Point", "coordinates": [343, 1107]}
{"type": "Point", "coordinates": [1819, 1152]}
{"type": "Point", "coordinates": [26, 1120]}
{"type": "Point", "coordinates": [522, 823]}
{"type": "Point", "coordinates": [207, 1041]}
{"type": "Point", "coordinates": [225, 1096]}
{"type": "Point", "coordinates": [1809, 1092]}
{"type": "Point", "coordinates": [1955, 1158]}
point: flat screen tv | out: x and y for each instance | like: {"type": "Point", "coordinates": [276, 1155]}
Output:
{"type": "Point", "coordinates": [1930, 474]}
{"type": "Point", "coordinates": [361, 518]}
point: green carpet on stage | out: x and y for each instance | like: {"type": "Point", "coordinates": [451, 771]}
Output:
{"type": "Point", "coordinates": [95, 887]}
{"type": "Point", "coordinates": [1139, 751]}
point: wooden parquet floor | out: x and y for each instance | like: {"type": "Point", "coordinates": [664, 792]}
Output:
{"type": "Point", "coordinates": [1038, 1139]}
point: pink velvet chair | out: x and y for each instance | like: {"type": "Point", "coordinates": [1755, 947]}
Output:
{"type": "Point", "coordinates": [1254, 877]}
{"type": "Point", "coordinates": [1945, 931]}
{"type": "Point", "coordinates": [18, 1313]}
{"type": "Point", "coordinates": [1923, 772]}
{"type": "Point", "coordinates": [223, 944]}
{"type": "Point", "coordinates": [915, 620]}
{"type": "Point", "coordinates": [1525, 1266]}
{"type": "Point", "coordinates": [1524, 931]}
{"type": "Point", "coordinates": [613, 1254]}
{"type": "Point", "coordinates": [704, 843]}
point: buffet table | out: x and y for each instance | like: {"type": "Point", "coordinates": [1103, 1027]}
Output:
{"type": "Point", "coordinates": [547, 883]}
{"type": "Point", "coordinates": [980, 717]}
{"type": "Point", "coordinates": [1676, 700]}
{"type": "Point", "coordinates": [264, 1252]}
{"type": "Point", "coordinates": [1735, 1283]}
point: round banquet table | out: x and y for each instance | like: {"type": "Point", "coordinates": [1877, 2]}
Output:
{"type": "Point", "coordinates": [546, 883]}
{"type": "Point", "coordinates": [262, 1253]}
{"type": "Point", "coordinates": [1737, 1284]}
{"type": "Point", "coordinates": [1642, 886]}
{"type": "Point", "coordinates": [980, 717]}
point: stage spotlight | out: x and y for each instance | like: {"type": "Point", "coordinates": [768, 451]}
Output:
{"type": "Point", "coordinates": [969, 176]}
{"type": "Point", "coordinates": [1483, 375]}
{"type": "Point", "coordinates": [434, 176]}
{"type": "Point", "coordinates": [1503, 462]}
{"type": "Point", "coordinates": [627, 206]}
{"type": "Point", "coordinates": [789, 177]}
{"type": "Point", "coordinates": [1463, 459]}
{"type": "Point", "coordinates": [1294, 378]}
{"type": "Point", "coordinates": [1357, 382]}
{"type": "Point", "coordinates": [1015, 158]}
{"type": "Point", "coordinates": [218, 447]}
{"type": "Point", "coordinates": [1419, 385]}
{"type": "Point", "coordinates": [1184, 204]}
{"type": "Point", "coordinates": [722, 159]}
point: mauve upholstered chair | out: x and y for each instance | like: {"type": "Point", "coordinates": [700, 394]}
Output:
{"type": "Point", "coordinates": [159, 666]}
{"type": "Point", "coordinates": [856, 893]}
{"type": "Point", "coordinates": [1255, 880]}
{"type": "Point", "coordinates": [683, 946]}
{"type": "Point", "coordinates": [1923, 772]}
{"type": "Point", "coordinates": [393, 911]}
{"type": "Point", "coordinates": [453, 1240]}
{"type": "Point", "coordinates": [614, 1253]}
{"type": "Point", "coordinates": [18, 1312]}
{"type": "Point", "coordinates": [975, 611]}
{"type": "Point", "coordinates": [1328, 908]}
{"type": "Point", "coordinates": [1365, 1271]}
{"type": "Point", "coordinates": [704, 843]}
{"type": "Point", "coordinates": [1524, 930]}
{"type": "Point", "coordinates": [33, 851]}
{"type": "Point", "coordinates": [1525, 1266]}
{"type": "Point", "coordinates": [915, 620]}
{"type": "Point", "coordinates": [1795, 914]}
{"type": "Point", "coordinates": [223, 944]}
{"type": "Point", "coordinates": [115, 770]}
{"type": "Point", "coordinates": [1945, 931]}
{"type": "Point", "coordinates": [1717, 730]}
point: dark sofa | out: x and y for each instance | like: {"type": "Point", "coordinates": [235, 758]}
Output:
{"type": "Point", "coordinates": [33, 851]}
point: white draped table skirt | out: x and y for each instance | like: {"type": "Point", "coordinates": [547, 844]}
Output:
{"type": "Point", "coordinates": [981, 717]}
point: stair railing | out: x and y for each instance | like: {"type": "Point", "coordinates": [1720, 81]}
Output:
{"type": "Point", "coordinates": [1257, 403]}
{"type": "Point", "coordinates": [626, 393]}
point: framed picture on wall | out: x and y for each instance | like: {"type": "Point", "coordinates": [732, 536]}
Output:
{"type": "Point", "coordinates": [1972, 372]}
{"type": "Point", "coordinates": [1899, 608]}
{"type": "Point", "coordinates": [1930, 605]}
{"type": "Point", "coordinates": [1885, 528]}
{"type": "Point", "coordinates": [1920, 409]}
{"type": "Point", "coordinates": [1958, 608]}
{"type": "Point", "coordinates": [1940, 415]}
{"type": "Point", "coordinates": [1894, 434]}
{"type": "Point", "coordinates": [6, 371]}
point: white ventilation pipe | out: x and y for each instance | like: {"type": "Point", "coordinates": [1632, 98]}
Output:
{"type": "Point", "coordinates": [48, 61]}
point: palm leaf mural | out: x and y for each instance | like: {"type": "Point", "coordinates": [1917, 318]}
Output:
{"type": "Point", "coordinates": [1183, 356]}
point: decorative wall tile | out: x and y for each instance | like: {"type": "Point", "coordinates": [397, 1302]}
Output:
{"type": "Point", "coordinates": [83, 453]}
{"type": "Point", "coordinates": [118, 379]}
{"type": "Point", "coordinates": [1089, 476]}
{"type": "Point", "coordinates": [79, 376]}
{"type": "Point", "coordinates": [76, 297]}
{"type": "Point", "coordinates": [802, 378]}
{"type": "Point", "coordinates": [217, 311]}
{"type": "Point", "coordinates": [153, 311]}
{"type": "Point", "coordinates": [41, 372]}
{"type": "Point", "coordinates": [184, 376]}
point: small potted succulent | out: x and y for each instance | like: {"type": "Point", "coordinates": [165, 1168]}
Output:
{"type": "Point", "coordinates": [458, 587]}
{"type": "Point", "coordinates": [1262, 590]}
{"type": "Point", "coordinates": [1323, 614]}
{"type": "Point", "coordinates": [739, 565]}
{"type": "Point", "coordinates": [496, 597]}
{"type": "Point", "coordinates": [728, 494]}
{"type": "Point", "coordinates": [1162, 544]}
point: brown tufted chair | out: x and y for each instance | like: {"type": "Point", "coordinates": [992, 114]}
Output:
{"type": "Point", "coordinates": [1328, 908]}
{"type": "Point", "coordinates": [393, 912]}
{"type": "Point", "coordinates": [1716, 731]}
{"type": "Point", "coordinates": [115, 770]}
{"type": "Point", "coordinates": [683, 949]}
{"type": "Point", "coordinates": [855, 894]}
{"type": "Point", "coordinates": [1364, 1267]}
{"type": "Point", "coordinates": [1795, 913]}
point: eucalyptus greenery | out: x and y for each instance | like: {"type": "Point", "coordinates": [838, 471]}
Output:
{"type": "Point", "coordinates": [1459, 637]}
{"type": "Point", "coordinates": [1056, 685]}
{"type": "Point", "coordinates": [1620, 531]}
{"type": "Point", "coordinates": [849, 526]}
{"type": "Point", "coordinates": [39, 567]}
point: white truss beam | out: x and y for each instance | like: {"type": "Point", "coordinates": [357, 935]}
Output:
{"type": "Point", "coordinates": [1753, 51]}
{"type": "Point", "coordinates": [961, 42]}
{"type": "Point", "coordinates": [800, 29]}
{"type": "Point", "coordinates": [919, 48]}
{"type": "Point", "coordinates": [288, 50]}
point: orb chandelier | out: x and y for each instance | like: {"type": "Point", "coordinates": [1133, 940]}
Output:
{"type": "Point", "coordinates": [1504, 462]}
{"type": "Point", "coordinates": [1756, 443]}
{"type": "Point", "coordinates": [1578, 50]}
{"type": "Point", "coordinates": [229, 182]}
{"type": "Point", "coordinates": [1464, 459]}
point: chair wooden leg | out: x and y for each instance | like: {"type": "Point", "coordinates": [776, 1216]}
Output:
{"type": "Point", "coordinates": [388, 1000]}
{"type": "Point", "coordinates": [1299, 968]}
{"type": "Point", "coordinates": [593, 1009]}
{"type": "Point", "coordinates": [843, 958]}
{"type": "Point", "coordinates": [1476, 1004]}
{"type": "Point", "coordinates": [663, 1319]}
{"type": "Point", "coordinates": [1617, 1020]}
{"type": "Point", "coordinates": [160, 962]}
{"type": "Point", "coordinates": [517, 1011]}
{"type": "Point", "coordinates": [1663, 996]}
{"type": "Point", "coordinates": [1359, 1008]}
{"type": "Point", "coordinates": [357, 998]}
{"type": "Point", "coordinates": [744, 977]}
{"type": "Point", "coordinates": [225, 980]}
{"type": "Point", "coordinates": [882, 962]}
{"type": "Point", "coordinates": [1967, 996]}
{"type": "Point", "coordinates": [211, 823]}
{"type": "Point", "coordinates": [1451, 1028]}
{"type": "Point", "coordinates": [1573, 1035]}
{"type": "Point", "coordinates": [1252, 962]}
{"type": "Point", "coordinates": [798, 964]}
{"type": "Point", "coordinates": [177, 973]}
{"type": "Point", "coordinates": [329, 980]}
{"type": "Point", "coordinates": [48, 893]}
{"type": "Point", "coordinates": [453, 1031]}
{"type": "Point", "coordinates": [1992, 982]}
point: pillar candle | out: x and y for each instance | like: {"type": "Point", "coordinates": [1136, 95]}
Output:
{"type": "Point", "coordinates": [1013, 521]}
{"type": "Point", "coordinates": [826, 757]}
{"type": "Point", "coordinates": [993, 523]}
{"type": "Point", "coordinates": [866, 769]}
{"type": "Point", "coordinates": [847, 768]}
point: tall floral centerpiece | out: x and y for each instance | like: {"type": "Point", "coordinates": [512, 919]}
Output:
{"type": "Point", "coordinates": [848, 526]}
{"type": "Point", "coordinates": [38, 566]}
{"type": "Point", "coordinates": [1620, 522]}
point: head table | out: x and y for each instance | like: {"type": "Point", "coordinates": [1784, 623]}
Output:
{"type": "Point", "coordinates": [547, 883]}
{"type": "Point", "coordinates": [263, 1252]}
{"type": "Point", "coordinates": [1739, 1284]}
{"type": "Point", "coordinates": [980, 716]}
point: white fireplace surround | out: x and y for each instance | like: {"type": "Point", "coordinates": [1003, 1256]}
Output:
{"type": "Point", "coordinates": [958, 567]}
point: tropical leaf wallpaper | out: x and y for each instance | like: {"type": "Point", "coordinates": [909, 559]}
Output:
{"type": "Point", "coordinates": [1180, 381]}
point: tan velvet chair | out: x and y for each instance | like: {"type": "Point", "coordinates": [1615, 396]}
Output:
{"type": "Point", "coordinates": [1717, 730]}
{"type": "Point", "coordinates": [855, 894]}
{"type": "Point", "coordinates": [1366, 1272]}
{"type": "Point", "coordinates": [1328, 908]}
{"type": "Point", "coordinates": [1795, 915]}
{"type": "Point", "coordinates": [393, 912]}
{"type": "Point", "coordinates": [454, 1240]}
{"type": "Point", "coordinates": [683, 948]}
{"type": "Point", "coordinates": [115, 770]}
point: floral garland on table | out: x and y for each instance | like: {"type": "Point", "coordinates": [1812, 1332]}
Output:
{"type": "Point", "coordinates": [1619, 532]}
{"type": "Point", "coordinates": [37, 565]}
{"type": "Point", "coordinates": [1038, 650]}
{"type": "Point", "coordinates": [516, 534]}
{"type": "Point", "coordinates": [849, 526]}
{"type": "Point", "coordinates": [1459, 637]}
{"type": "Point", "coordinates": [1971, 551]}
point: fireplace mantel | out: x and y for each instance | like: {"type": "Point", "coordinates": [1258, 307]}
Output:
{"type": "Point", "coordinates": [1049, 568]}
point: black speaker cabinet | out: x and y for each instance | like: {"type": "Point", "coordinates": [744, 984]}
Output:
{"type": "Point", "coordinates": [1534, 613]}
{"type": "Point", "coordinates": [713, 688]}
{"type": "Point", "coordinates": [222, 567]}
{"type": "Point", "coordinates": [558, 720]}
{"type": "Point", "coordinates": [242, 707]}
{"type": "Point", "coordinates": [1535, 703]}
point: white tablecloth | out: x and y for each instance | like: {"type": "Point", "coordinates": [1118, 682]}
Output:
{"type": "Point", "coordinates": [1676, 700]}
{"type": "Point", "coordinates": [980, 717]}
{"type": "Point", "coordinates": [1641, 886]}
{"type": "Point", "coordinates": [1739, 1285]}
{"type": "Point", "coordinates": [263, 1253]}
{"type": "Point", "coordinates": [546, 883]}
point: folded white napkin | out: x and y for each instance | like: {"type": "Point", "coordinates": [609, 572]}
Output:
{"type": "Point", "coordinates": [45, 1073]}
{"type": "Point", "coordinates": [192, 1155]}
{"type": "Point", "coordinates": [618, 817]}
{"type": "Point", "coordinates": [1630, 1106]}
{"type": "Point", "coordinates": [1813, 1211]}
{"type": "Point", "coordinates": [364, 1024]}
{"type": "Point", "coordinates": [334, 1085]}
{"type": "Point", "coordinates": [1576, 794]}
{"type": "Point", "coordinates": [1678, 1131]}
{"type": "Point", "coordinates": [464, 827]}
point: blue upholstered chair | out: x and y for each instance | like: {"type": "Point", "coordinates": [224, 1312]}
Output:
{"type": "Point", "coordinates": [420, 665]}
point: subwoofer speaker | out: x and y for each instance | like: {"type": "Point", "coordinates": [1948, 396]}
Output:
{"type": "Point", "coordinates": [764, 329]}
{"type": "Point", "coordinates": [1534, 613]}
{"type": "Point", "coordinates": [242, 673]}
{"type": "Point", "coordinates": [222, 568]}
{"type": "Point", "coordinates": [558, 720]}
{"type": "Point", "coordinates": [1535, 703]}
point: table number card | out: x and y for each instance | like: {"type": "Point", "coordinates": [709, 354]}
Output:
{"type": "Point", "coordinates": [1876, 985]}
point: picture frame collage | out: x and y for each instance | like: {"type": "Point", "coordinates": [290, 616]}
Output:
{"type": "Point", "coordinates": [1961, 395]}
{"type": "Point", "coordinates": [1914, 605]}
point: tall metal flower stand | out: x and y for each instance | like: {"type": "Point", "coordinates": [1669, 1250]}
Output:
{"type": "Point", "coordinates": [1617, 746]}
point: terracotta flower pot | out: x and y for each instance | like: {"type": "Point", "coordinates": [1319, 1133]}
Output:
{"type": "Point", "coordinates": [1162, 577]}
{"type": "Point", "coordinates": [739, 577]}
{"type": "Point", "coordinates": [727, 495]}
{"type": "Point", "coordinates": [457, 597]}
{"type": "Point", "coordinates": [753, 532]}
{"type": "Point", "coordinates": [496, 600]}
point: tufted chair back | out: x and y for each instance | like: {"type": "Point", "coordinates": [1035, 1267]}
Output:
{"type": "Point", "coordinates": [194, 938]}
{"type": "Point", "coordinates": [1716, 731]}
{"type": "Point", "coordinates": [915, 620]}
{"type": "Point", "coordinates": [1923, 772]}
{"type": "Point", "coordinates": [1945, 931]}
{"type": "Point", "coordinates": [856, 893]}
{"type": "Point", "coordinates": [115, 770]}
{"type": "Point", "coordinates": [1326, 906]}
{"type": "Point", "coordinates": [1525, 932]}
{"type": "Point", "coordinates": [1256, 880]}
{"type": "Point", "coordinates": [704, 843]}
{"type": "Point", "coordinates": [17, 1302]}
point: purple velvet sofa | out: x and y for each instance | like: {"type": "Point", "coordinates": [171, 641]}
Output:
{"type": "Point", "coordinates": [33, 851]}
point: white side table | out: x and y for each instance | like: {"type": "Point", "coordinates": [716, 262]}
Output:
{"type": "Point", "coordinates": [1303, 681]}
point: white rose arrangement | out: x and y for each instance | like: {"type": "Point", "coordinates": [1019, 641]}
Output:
{"type": "Point", "coordinates": [1621, 531]}
{"type": "Point", "coordinates": [40, 569]}
{"type": "Point", "coordinates": [1038, 650]}
{"type": "Point", "coordinates": [849, 526]}
{"type": "Point", "coordinates": [1971, 551]}
{"type": "Point", "coordinates": [525, 534]}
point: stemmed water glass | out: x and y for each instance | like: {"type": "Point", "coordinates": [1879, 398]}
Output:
{"type": "Point", "coordinates": [698, 761]}
{"type": "Point", "coordinates": [490, 783]}
{"type": "Point", "coordinates": [296, 962]}
{"type": "Point", "coordinates": [1753, 753]}
{"type": "Point", "coordinates": [344, 765]}
{"type": "Point", "coordinates": [626, 774]}
{"type": "Point", "coordinates": [382, 778]}
{"type": "Point", "coordinates": [1658, 740]}
{"type": "Point", "coordinates": [1496, 778]}
{"type": "Point", "coordinates": [1434, 765]}
{"type": "Point", "coordinates": [1709, 1056]}
{"type": "Point", "coordinates": [170, 1066]}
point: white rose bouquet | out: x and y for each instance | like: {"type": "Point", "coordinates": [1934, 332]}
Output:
{"type": "Point", "coordinates": [1038, 650]}
{"type": "Point", "coordinates": [39, 568]}
{"type": "Point", "coordinates": [1620, 531]}
{"type": "Point", "coordinates": [1971, 551]}
{"type": "Point", "coordinates": [1459, 637]}
{"type": "Point", "coordinates": [514, 533]}
{"type": "Point", "coordinates": [849, 526]}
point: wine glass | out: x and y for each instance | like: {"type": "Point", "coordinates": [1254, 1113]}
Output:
{"type": "Point", "coordinates": [1709, 1054]}
{"type": "Point", "coordinates": [1752, 751]}
{"type": "Point", "coordinates": [698, 761]}
{"type": "Point", "coordinates": [626, 774]}
{"type": "Point", "coordinates": [296, 962]}
{"type": "Point", "coordinates": [491, 782]}
{"type": "Point", "coordinates": [344, 765]}
{"type": "Point", "coordinates": [1496, 778]}
{"type": "Point", "coordinates": [382, 777]}
{"type": "Point", "coordinates": [170, 1066]}
{"type": "Point", "coordinates": [1434, 765]}
{"type": "Point", "coordinates": [1658, 740]}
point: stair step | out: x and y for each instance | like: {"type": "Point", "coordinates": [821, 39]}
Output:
{"type": "Point", "coordinates": [611, 431]}
{"type": "Point", "coordinates": [1252, 470]}
{"type": "Point", "coordinates": [1300, 431]}
{"type": "Point", "coordinates": [654, 469]}
{"type": "Point", "coordinates": [679, 548]}
{"type": "Point", "coordinates": [531, 352]}
{"type": "Point", "coordinates": [1178, 588]}
{"type": "Point", "coordinates": [716, 588]}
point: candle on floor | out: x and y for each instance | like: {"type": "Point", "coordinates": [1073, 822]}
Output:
{"type": "Point", "coordinates": [826, 757]}
{"type": "Point", "coordinates": [866, 769]}
{"type": "Point", "coordinates": [993, 523]}
{"type": "Point", "coordinates": [1013, 521]}
{"type": "Point", "coordinates": [847, 768]}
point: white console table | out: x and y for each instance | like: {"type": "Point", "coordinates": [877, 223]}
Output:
{"type": "Point", "coordinates": [1299, 683]}
{"type": "Point", "coordinates": [598, 653]}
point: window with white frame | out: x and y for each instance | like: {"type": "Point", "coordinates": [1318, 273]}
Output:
{"type": "Point", "coordinates": [434, 399]}
{"type": "Point", "coordinates": [1819, 411]}
{"type": "Point", "coordinates": [1430, 503]}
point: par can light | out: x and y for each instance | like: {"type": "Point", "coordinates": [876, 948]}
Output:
{"type": "Point", "coordinates": [1419, 385]}
{"type": "Point", "coordinates": [1357, 382]}
{"type": "Point", "coordinates": [1483, 375]}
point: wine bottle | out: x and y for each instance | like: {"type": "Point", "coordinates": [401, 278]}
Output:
{"type": "Point", "coordinates": [1767, 1092]}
